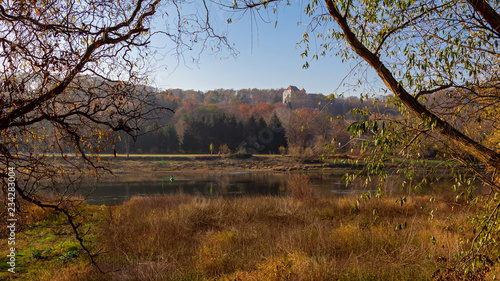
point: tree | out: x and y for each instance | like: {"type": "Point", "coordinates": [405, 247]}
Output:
{"type": "Point", "coordinates": [251, 127]}
{"type": "Point", "coordinates": [59, 76]}
{"type": "Point", "coordinates": [212, 97]}
{"type": "Point", "coordinates": [72, 75]}
{"type": "Point", "coordinates": [263, 110]}
{"type": "Point", "coordinates": [279, 135]}
{"type": "Point", "coordinates": [439, 59]}
{"type": "Point", "coordinates": [195, 138]}
{"type": "Point", "coordinates": [450, 55]}
{"type": "Point", "coordinates": [233, 133]}
{"type": "Point", "coordinates": [171, 139]}
{"type": "Point", "coordinates": [414, 79]}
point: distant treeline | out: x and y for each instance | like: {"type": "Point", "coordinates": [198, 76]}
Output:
{"type": "Point", "coordinates": [338, 106]}
{"type": "Point", "coordinates": [223, 121]}
{"type": "Point", "coordinates": [217, 133]}
{"type": "Point", "coordinates": [247, 120]}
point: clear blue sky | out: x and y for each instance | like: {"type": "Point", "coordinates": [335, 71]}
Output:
{"type": "Point", "coordinates": [268, 58]}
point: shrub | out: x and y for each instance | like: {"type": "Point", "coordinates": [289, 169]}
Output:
{"type": "Point", "coordinates": [224, 149]}
{"type": "Point", "coordinates": [298, 185]}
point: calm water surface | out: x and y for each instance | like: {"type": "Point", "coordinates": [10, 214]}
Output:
{"type": "Point", "coordinates": [212, 184]}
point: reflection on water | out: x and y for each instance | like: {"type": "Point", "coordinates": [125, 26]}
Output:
{"type": "Point", "coordinates": [212, 184]}
{"type": "Point", "coordinates": [206, 184]}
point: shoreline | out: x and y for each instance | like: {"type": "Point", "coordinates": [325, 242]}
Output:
{"type": "Point", "coordinates": [160, 164]}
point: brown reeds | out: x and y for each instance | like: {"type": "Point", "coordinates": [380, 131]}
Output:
{"type": "Point", "coordinates": [181, 237]}
{"type": "Point", "coordinates": [299, 187]}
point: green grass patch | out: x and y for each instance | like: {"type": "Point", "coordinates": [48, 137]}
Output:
{"type": "Point", "coordinates": [46, 245]}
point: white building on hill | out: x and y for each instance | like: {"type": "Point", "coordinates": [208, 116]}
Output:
{"type": "Point", "coordinates": [290, 92]}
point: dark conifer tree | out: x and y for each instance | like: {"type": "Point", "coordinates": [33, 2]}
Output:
{"type": "Point", "coordinates": [170, 142]}
{"type": "Point", "coordinates": [279, 134]}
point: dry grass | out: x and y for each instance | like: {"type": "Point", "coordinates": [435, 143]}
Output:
{"type": "Point", "coordinates": [274, 238]}
{"type": "Point", "coordinates": [299, 187]}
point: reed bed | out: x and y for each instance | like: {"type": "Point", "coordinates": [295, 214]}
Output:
{"type": "Point", "coordinates": [278, 238]}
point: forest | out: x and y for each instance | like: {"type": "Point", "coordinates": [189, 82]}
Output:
{"type": "Point", "coordinates": [247, 121]}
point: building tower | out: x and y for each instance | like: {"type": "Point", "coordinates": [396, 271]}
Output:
{"type": "Point", "coordinates": [289, 93]}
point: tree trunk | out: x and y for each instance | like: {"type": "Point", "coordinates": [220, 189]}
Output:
{"type": "Point", "coordinates": [467, 144]}
{"type": "Point", "coordinates": [488, 13]}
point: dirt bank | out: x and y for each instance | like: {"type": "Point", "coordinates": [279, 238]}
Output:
{"type": "Point", "coordinates": [188, 163]}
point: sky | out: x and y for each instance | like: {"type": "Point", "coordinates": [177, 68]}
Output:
{"type": "Point", "coordinates": [268, 58]}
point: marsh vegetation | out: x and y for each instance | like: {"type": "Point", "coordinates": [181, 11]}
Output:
{"type": "Point", "coordinates": [295, 237]}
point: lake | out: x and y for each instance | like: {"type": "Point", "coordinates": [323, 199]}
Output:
{"type": "Point", "coordinates": [212, 184]}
